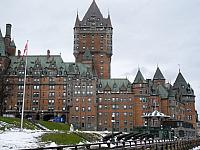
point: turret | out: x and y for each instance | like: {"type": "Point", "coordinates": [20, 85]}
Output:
{"type": "Point", "coordinates": [158, 77]}
{"type": "Point", "coordinates": [94, 32]}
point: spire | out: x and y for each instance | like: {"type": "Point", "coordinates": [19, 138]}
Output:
{"type": "Point", "coordinates": [87, 55]}
{"type": "Point", "coordinates": [77, 22]}
{"type": "Point", "coordinates": [109, 24]}
{"type": "Point", "coordinates": [93, 11]}
{"type": "Point", "coordinates": [139, 78]}
{"type": "Point", "coordinates": [158, 75]}
{"type": "Point", "coordinates": [180, 81]}
{"type": "Point", "coordinates": [2, 45]}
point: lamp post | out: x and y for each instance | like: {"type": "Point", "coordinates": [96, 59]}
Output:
{"type": "Point", "coordinates": [161, 131]}
{"type": "Point", "coordinates": [113, 121]}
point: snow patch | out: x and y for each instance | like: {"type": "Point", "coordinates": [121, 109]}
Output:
{"type": "Point", "coordinates": [16, 139]}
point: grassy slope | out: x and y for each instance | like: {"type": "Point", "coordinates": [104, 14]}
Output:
{"type": "Point", "coordinates": [62, 138]}
{"type": "Point", "coordinates": [54, 125]}
{"type": "Point", "coordinates": [66, 138]}
{"type": "Point", "coordinates": [16, 122]}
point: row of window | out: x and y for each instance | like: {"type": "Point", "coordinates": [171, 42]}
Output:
{"type": "Point", "coordinates": [115, 99]}
{"type": "Point", "coordinates": [83, 109]}
{"type": "Point", "coordinates": [116, 123]}
{"type": "Point", "coordinates": [83, 118]}
{"type": "Point", "coordinates": [83, 92]}
{"type": "Point", "coordinates": [116, 114]}
{"type": "Point", "coordinates": [115, 106]}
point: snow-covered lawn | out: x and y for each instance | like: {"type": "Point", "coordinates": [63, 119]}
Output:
{"type": "Point", "coordinates": [16, 139]}
{"type": "Point", "coordinates": [196, 148]}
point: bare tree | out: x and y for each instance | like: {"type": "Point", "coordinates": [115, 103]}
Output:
{"type": "Point", "coordinates": [5, 88]}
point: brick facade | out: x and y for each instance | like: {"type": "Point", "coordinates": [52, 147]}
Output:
{"type": "Point", "coordinates": [83, 92]}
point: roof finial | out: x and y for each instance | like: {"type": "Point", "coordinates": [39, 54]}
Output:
{"type": "Point", "coordinates": [108, 12]}
{"type": "Point", "coordinates": [179, 68]}
{"type": "Point", "coordinates": [77, 12]}
{"type": "Point", "coordinates": [138, 67]}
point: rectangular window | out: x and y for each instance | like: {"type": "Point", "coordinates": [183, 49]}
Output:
{"type": "Point", "coordinates": [36, 87]}
{"type": "Point", "coordinates": [36, 94]}
{"type": "Point", "coordinates": [51, 94]}
{"type": "Point", "coordinates": [51, 87]}
{"type": "Point", "coordinates": [76, 108]}
{"type": "Point", "coordinates": [89, 108]}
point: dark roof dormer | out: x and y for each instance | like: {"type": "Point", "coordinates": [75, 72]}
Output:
{"type": "Point", "coordinates": [107, 87]}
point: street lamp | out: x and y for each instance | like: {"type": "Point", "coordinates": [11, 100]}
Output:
{"type": "Point", "coordinates": [161, 131]}
{"type": "Point", "coordinates": [113, 121]}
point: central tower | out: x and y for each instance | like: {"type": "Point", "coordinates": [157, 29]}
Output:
{"type": "Point", "coordinates": [93, 35]}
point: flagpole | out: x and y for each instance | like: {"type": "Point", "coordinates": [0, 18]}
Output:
{"type": "Point", "coordinates": [22, 115]}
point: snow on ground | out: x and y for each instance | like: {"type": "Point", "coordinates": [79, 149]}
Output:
{"type": "Point", "coordinates": [16, 139]}
{"type": "Point", "coordinates": [196, 148]}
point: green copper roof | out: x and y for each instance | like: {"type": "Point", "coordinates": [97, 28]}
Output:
{"type": "Point", "coordinates": [87, 55]}
{"type": "Point", "coordinates": [139, 78]}
{"type": "Point", "coordinates": [44, 63]}
{"type": "Point", "coordinates": [162, 92]}
{"type": "Point", "coordinates": [115, 84]}
{"type": "Point", "coordinates": [2, 45]}
{"type": "Point", "coordinates": [158, 75]}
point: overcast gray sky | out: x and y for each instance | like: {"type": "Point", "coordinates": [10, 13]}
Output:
{"type": "Point", "coordinates": [147, 33]}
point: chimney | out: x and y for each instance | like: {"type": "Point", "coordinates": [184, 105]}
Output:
{"type": "Point", "coordinates": [19, 54]}
{"type": "Point", "coordinates": [8, 30]}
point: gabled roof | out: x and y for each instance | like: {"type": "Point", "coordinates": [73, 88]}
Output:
{"type": "Point", "coordinates": [2, 45]}
{"type": "Point", "coordinates": [155, 114]}
{"type": "Point", "coordinates": [158, 75]}
{"type": "Point", "coordinates": [107, 87]}
{"type": "Point", "coordinates": [123, 87]}
{"type": "Point", "coordinates": [93, 11]}
{"type": "Point", "coordinates": [139, 78]}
